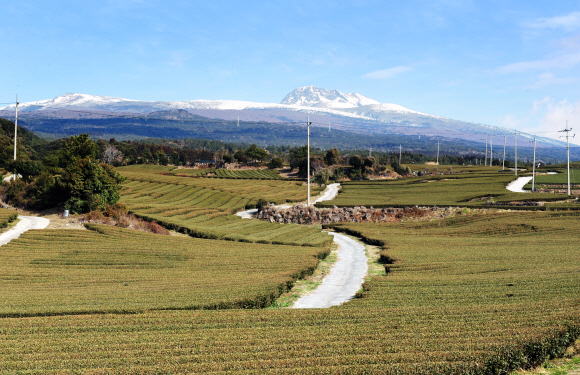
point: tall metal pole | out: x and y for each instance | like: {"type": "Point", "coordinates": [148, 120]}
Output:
{"type": "Point", "coordinates": [485, 151]}
{"type": "Point", "coordinates": [437, 152]}
{"type": "Point", "coordinates": [534, 168]}
{"type": "Point", "coordinates": [16, 127]}
{"type": "Point", "coordinates": [504, 142]}
{"type": "Point", "coordinates": [516, 144]}
{"type": "Point", "coordinates": [308, 160]}
{"type": "Point", "coordinates": [400, 148]}
{"type": "Point", "coordinates": [567, 151]}
{"type": "Point", "coordinates": [490, 150]}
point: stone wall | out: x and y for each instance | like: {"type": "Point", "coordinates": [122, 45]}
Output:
{"type": "Point", "coordinates": [301, 214]}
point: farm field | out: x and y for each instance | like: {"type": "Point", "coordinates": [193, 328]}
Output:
{"type": "Point", "coordinates": [256, 174]}
{"type": "Point", "coordinates": [483, 294]}
{"type": "Point", "coordinates": [465, 189]}
{"type": "Point", "coordinates": [109, 269]}
{"type": "Point", "coordinates": [559, 178]}
{"type": "Point", "coordinates": [204, 207]}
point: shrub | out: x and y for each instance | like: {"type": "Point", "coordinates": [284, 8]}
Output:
{"type": "Point", "coordinates": [261, 204]}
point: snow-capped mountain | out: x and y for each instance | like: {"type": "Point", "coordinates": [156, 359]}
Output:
{"type": "Point", "coordinates": [312, 96]}
{"type": "Point", "coordinates": [350, 112]}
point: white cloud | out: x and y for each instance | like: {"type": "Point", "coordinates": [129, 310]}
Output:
{"type": "Point", "coordinates": [558, 113]}
{"type": "Point", "coordinates": [510, 121]}
{"type": "Point", "coordinates": [548, 79]}
{"type": "Point", "coordinates": [568, 22]}
{"type": "Point", "coordinates": [557, 62]}
{"type": "Point", "coordinates": [553, 116]}
{"type": "Point", "coordinates": [387, 73]}
{"type": "Point", "coordinates": [538, 104]}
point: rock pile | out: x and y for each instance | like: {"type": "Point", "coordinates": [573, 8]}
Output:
{"type": "Point", "coordinates": [301, 214]}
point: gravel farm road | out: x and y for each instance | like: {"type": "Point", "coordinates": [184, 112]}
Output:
{"type": "Point", "coordinates": [343, 281]}
{"type": "Point", "coordinates": [25, 223]}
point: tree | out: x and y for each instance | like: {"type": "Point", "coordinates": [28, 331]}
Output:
{"type": "Point", "coordinates": [111, 154]}
{"type": "Point", "coordinates": [76, 148]}
{"type": "Point", "coordinates": [147, 155]}
{"type": "Point", "coordinates": [256, 153]}
{"type": "Point", "coordinates": [356, 162]}
{"type": "Point", "coordinates": [275, 163]}
{"type": "Point", "coordinates": [28, 169]}
{"type": "Point", "coordinates": [332, 157]}
{"type": "Point", "coordinates": [298, 157]}
{"type": "Point", "coordinates": [239, 155]}
{"type": "Point", "coordinates": [90, 185]}
{"type": "Point", "coordinates": [174, 157]}
{"type": "Point", "coordinates": [163, 160]}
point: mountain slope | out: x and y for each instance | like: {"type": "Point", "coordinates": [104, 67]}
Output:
{"type": "Point", "coordinates": [348, 112]}
{"type": "Point", "coordinates": [312, 96]}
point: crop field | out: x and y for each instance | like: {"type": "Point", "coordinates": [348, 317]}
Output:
{"type": "Point", "coordinates": [204, 207]}
{"type": "Point", "coordinates": [109, 269]}
{"type": "Point", "coordinates": [560, 178]}
{"type": "Point", "coordinates": [473, 188]}
{"type": "Point", "coordinates": [255, 174]}
{"type": "Point", "coordinates": [471, 294]}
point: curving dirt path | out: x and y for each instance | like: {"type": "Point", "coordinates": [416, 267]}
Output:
{"type": "Point", "coordinates": [347, 274]}
{"type": "Point", "coordinates": [329, 193]}
{"type": "Point", "coordinates": [25, 223]}
{"type": "Point", "coordinates": [343, 281]}
{"type": "Point", "coordinates": [517, 186]}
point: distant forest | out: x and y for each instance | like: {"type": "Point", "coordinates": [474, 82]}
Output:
{"type": "Point", "coordinates": [217, 135]}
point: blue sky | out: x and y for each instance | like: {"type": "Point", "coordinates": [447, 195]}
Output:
{"type": "Point", "coordinates": [507, 63]}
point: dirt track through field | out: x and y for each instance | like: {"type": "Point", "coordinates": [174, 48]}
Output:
{"type": "Point", "coordinates": [347, 274]}
{"type": "Point", "coordinates": [343, 281]}
{"type": "Point", "coordinates": [25, 223]}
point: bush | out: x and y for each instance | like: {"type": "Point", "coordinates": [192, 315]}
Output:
{"type": "Point", "coordinates": [261, 204]}
{"type": "Point", "coordinates": [275, 163]}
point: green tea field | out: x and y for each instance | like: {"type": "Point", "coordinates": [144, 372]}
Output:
{"type": "Point", "coordinates": [204, 207]}
{"type": "Point", "coordinates": [464, 188]}
{"type": "Point", "coordinates": [109, 269]}
{"type": "Point", "coordinates": [473, 294]}
{"type": "Point", "coordinates": [255, 174]}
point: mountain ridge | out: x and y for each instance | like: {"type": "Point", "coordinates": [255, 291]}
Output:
{"type": "Point", "coordinates": [350, 112]}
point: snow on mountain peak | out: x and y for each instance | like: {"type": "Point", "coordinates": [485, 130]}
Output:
{"type": "Point", "coordinates": [69, 100]}
{"type": "Point", "coordinates": [312, 96]}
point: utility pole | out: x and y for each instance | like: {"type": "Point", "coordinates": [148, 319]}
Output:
{"type": "Point", "coordinates": [534, 168]}
{"type": "Point", "coordinates": [308, 159]}
{"type": "Point", "coordinates": [568, 150]}
{"type": "Point", "coordinates": [516, 144]}
{"type": "Point", "coordinates": [400, 148]}
{"type": "Point", "coordinates": [485, 165]}
{"type": "Point", "coordinates": [490, 150]}
{"type": "Point", "coordinates": [437, 152]}
{"type": "Point", "coordinates": [15, 126]}
{"type": "Point", "coordinates": [504, 142]}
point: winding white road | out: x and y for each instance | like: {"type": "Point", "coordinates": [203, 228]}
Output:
{"type": "Point", "coordinates": [329, 193]}
{"type": "Point", "coordinates": [517, 186]}
{"type": "Point", "coordinates": [25, 223]}
{"type": "Point", "coordinates": [343, 281]}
